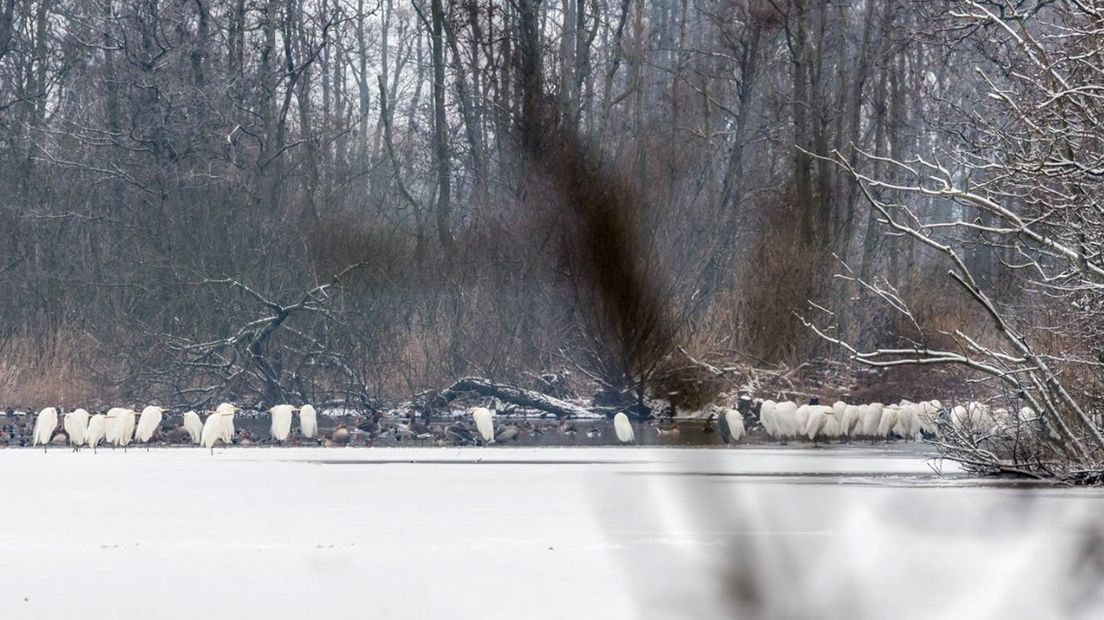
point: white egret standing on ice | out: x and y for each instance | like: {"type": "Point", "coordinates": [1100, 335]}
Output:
{"type": "Point", "coordinates": [929, 416]}
{"type": "Point", "coordinates": [908, 420]}
{"type": "Point", "coordinates": [226, 413]}
{"type": "Point", "coordinates": [308, 421]}
{"type": "Point", "coordinates": [890, 415]}
{"type": "Point", "coordinates": [786, 421]}
{"type": "Point", "coordinates": [94, 434]}
{"type": "Point", "coordinates": [484, 423]}
{"type": "Point", "coordinates": [45, 423]}
{"type": "Point", "coordinates": [623, 428]}
{"type": "Point", "coordinates": [124, 428]}
{"type": "Point", "coordinates": [767, 418]}
{"type": "Point", "coordinates": [76, 424]}
{"type": "Point", "coordinates": [281, 422]}
{"type": "Point", "coordinates": [193, 425]}
{"type": "Point", "coordinates": [218, 427]}
{"type": "Point", "coordinates": [822, 422]}
{"type": "Point", "coordinates": [851, 420]}
{"type": "Point", "coordinates": [111, 423]}
{"type": "Point", "coordinates": [732, 425]}
{"type": "Point", "coordinates": [148, 423]}
{"type": "Point", "coordinates": [871, 419]}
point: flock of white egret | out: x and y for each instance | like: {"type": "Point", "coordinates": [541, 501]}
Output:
{"type": "Point", "coordinates": [908, 420]}
{"type": "Point", "coordinates": [121, 426]}
{"type": "Point", "coordinates": [782, 421]}
{"type": "Point", "coordinates": [787, 420]}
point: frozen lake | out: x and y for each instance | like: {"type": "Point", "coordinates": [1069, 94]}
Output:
{"type": "Point", "coordinates": [537, 533]}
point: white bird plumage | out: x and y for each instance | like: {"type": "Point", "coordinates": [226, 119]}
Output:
{"type": "Point", "coordinates": [94, 434]}
{"type": "Point", "coordinates": [226, 413]}
{"type": "Point", "coordinates": [45, 423]}
{"type": "Point", "coordinates": [735, 423]}
{"type": "Point", "coordinates": [623, 428]}
{"type": "Point", "coordinates": [972, 418]}
{"type": "Point", "coordinates": [851, 420]}
{"type": "Point", "coordinates": [281, 421]}
{"type": "Point", "coordinates": [308, 421]}
{"type": "Point", "coordinates": [786, 421]}
{"type": "Point", "coordinates": [111, 423]}
{"type": "Point", "coordinates": [890, 413]}
{"type": "Point", "coordinates": [929, 416]}
{"type": "Point", "coordinates": [219, 426]}
{"type": "Point", "coordinates": [124, 428]}
{"type": "Point", "coordinates": [908, 420]}
{"type": "Point", "coordinates": [76, 425]}
{"type": "Point", "coordinates": [148, 423]}
{"type": "Point", "coordinates": [872, 419]}
{"type": "Point", "coordinates": [193, 425]}
{"type": "Point", "coordinates": [822, 422]}
{"type": "Point", "coordinates": [801, 415]}
{"type": "Point", "coordinates": [211, 433]}
{"type": "Point", "coordinates": [767, 418]}
{"type": "Point", "coordinates": [484, 423]}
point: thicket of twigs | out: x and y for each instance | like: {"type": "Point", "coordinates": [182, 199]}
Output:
{"type": "Point", "coordinates": [359, 201]}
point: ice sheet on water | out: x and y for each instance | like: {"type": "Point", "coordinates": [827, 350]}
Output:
{"type": "Point", "coordinates": [535, 533]}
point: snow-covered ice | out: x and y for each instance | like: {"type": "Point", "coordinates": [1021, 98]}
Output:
{"type": "Point", "coordinates": [535, 533]}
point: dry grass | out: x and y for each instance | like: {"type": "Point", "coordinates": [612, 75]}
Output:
{"type": "Point", "coordinates": [56, 370]}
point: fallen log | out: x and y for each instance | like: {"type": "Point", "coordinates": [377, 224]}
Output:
{"type": "Point", "coordinates": [517, 396]}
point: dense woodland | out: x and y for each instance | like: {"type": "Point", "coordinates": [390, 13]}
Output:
{"type": "Point", "coordinates": [347, 199]}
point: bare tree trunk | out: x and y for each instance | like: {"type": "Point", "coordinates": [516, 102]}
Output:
{"type": "Point", "coordinates": [199, 50]}
{"type": "Point", "coordinates": [802, 162]}
{"type": "Point", "coordinates": [440, 134]}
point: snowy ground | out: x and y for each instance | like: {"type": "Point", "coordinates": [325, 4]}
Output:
{"type": "Point", "coordinates": [536, 533]}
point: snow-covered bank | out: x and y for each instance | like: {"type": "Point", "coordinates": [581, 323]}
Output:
{"type": "Point", "coordinates": [534, 533]}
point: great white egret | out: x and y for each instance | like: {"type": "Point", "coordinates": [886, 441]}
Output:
{"type": "Point", "coordinates": [111, 425]}
{"type": "Point", "coordinates": [484, 423]}
{"type": "Point", "coordinates": [308, 421]}
{"type": "Point", "coordinates": [281, 422]}
{"type": "Point", "coordinates": [226, 413]}
{"type": "Point", "coordinates": [623, 428]}
{"type": "Point", "coordinates": [732, 426]}
{"type": "Point", "coordinates": [801, 415]}
{"type": "Point", "coordinates": [148, 423]}
{"type": "Point", "coordinates": [212, 432]}
{"type": "Point", "coordinates": [124, 428]}
{"type": "Point", "coordinates": [218, 427]}
{"type": "Point", "coordinates": [94, 434]}
{"type": "Point", "coordinates": [786, 421]}
{"type": "Point", "coordinates": [851, 420]}
{"type": "Point", "coordinates": [193, 425]}
{"type": "Point", "coordinates": [767, 418]}
{"type": "Point", "coordinates": [890, 415]}
{"type": "Point", "coordinates": [822, 422]}
{"type": "Point", "coordinates": [872, 419]}
{"type": "Point", "coordinates": [76, 423]}
{"type": "Point", "coordinates": [929, 416]}
{"type": "Point", "coordinates": [45, 423]}
{"type": "Point", "coordinates": [908, 420]}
